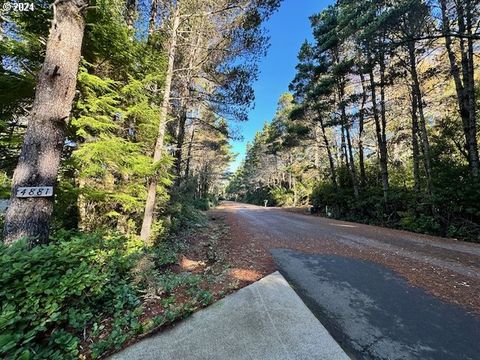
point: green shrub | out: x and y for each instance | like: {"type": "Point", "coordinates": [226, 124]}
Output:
{"type": "Point", "coordinates": [451, 211]}
{"type": "Point", "coordinates": [166, 252]}
{"type": "Point", "coordinates": [282, 196]}
{"type": "Point", "coordinates": [201, 204]}
{"type": "Point", "coordinates": [419, 223]}
{"type": "Point", "coordinates": [258, 196]}
{"type": "Point", "coordinates": [53, 292]}
{"type": "Point", "coordinates": [205, 203]}
{"type": "Point", "coordinates": [184, 215]}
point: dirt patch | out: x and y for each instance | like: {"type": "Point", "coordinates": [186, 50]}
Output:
{"type": "Point", "coordinates": [214, 251]}
{"type": "Point", "coordinates": [202, 271]}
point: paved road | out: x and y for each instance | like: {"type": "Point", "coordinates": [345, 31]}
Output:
{"type": "Point", "coordinates": [372, 287]}
{"type": "Point", "coordinates": [375, 314]}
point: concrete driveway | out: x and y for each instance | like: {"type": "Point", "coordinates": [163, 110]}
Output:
{"type": "Point", "coordinates": [264, 321]}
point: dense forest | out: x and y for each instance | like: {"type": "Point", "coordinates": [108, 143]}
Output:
{"type": "Point", "coordinates": [381, 122]}
{"type": "Point", "coordinates": [122, 107]}
{"type": "Point", "coordinates": [156, 83]}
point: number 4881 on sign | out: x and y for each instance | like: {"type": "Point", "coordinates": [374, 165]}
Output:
{"type": "Point", "coordinates": [40, 191]}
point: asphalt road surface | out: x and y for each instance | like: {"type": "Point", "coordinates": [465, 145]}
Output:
{"type": "Point", "coordinates": [381, 293]}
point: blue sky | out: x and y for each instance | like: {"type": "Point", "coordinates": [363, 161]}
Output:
{"type": "Point", "coordinates": [288, 28]}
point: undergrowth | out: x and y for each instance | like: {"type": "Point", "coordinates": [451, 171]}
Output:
{"type": "Point", "coordinates": [84, 295]}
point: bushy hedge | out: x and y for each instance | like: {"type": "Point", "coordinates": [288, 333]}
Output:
{"type": "Point", "coordinates": [258, 196]}
{"type": "Point", "coordinates": [52, 293]}
{"type": "Point", "coordinates": [448, 212]}
{"type": "Point", "coordinates": [205, 204]}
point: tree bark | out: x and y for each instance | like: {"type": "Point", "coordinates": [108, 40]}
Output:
{"type": "Point", "coordinates": [361, 121]}
{"type": "Point", "coordinates": [383, 114]}
{"type": "Point", "coordinates": [157, 155]}
{"type": "Point", "coordinates": [189, 153]}
{"type": "Point", "coordinates": [421, 123]}
{"type": "Point", "coordinates": [317, 148]}
{"type": "Point", "coordinates": [379, 133]}
{"type": "Point", "coordinates": [290, 177]}
{"type": "Point", "coordinates": [179, 149]}
{"type": "Point", "coordinates": [343, 146]}
{"type": "Point", "coordinates": [329, 152]}
{"type": "Point", "coordinates": [188, 94]}
{"type": "Point", "coordinates": [415, 146]}
{"type": "Point", "coordinates": [465, 101]}
{"type": "Point", "coordinates": [153, 17]}
{"type": "Point", "coordinates": [42, 148]}
{"type": "Point", "coordinates": [353, 171]}
{"type": "Point", "coordinates": [472, 133]}
{"type": "Point", "coordinates": [131, 11]}
{"type": "Point", "coordinates": [348, 146]}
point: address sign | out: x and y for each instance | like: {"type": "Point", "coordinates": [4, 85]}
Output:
{"type": "Point", "coordinates": [39, 191]}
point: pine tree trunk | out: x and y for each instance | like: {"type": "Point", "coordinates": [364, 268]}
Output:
{"type": "Point", "coordinates": [381, 145]}
{"type": "Point", "coordinates": [329, 152]}
{"type": "Point", "coordinates": [421, 123]}
{"type": "Point", "coordinates": [343, 146]}
{"type": "Point", "coordinates": [179, 149]}
{"type": "Point", "coordinates": [317, 147]}
{"type": "Point", "coordinates": [41, 152]}
{"type": "Point", "coordinates": [361, 121]}
{"type": "Point", "coordinates": [153, 17]}
{"type": "Point", "coordinates": [353, 171]}
{"type": "Point", "coordinates": [188, 86]}
{"type": "Point", "coordinates": [472, 133]}
{"type": "Point", "coordinates": [415, 146]}
{"type": "Point", "coordinates": [464, 96]}
{"type": "Point", "coordinates": [383, 114]}
{"type": "Point", "coordinates": [189, 153]}
{"type": "Point", "coordinates": [131, 7]}
{"type": "Point", "coordinates": [290, 178]}
{"type": "Point", "coordinates": [157, 155]}
{"type": "Point", "coordinates": [348, 146]}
